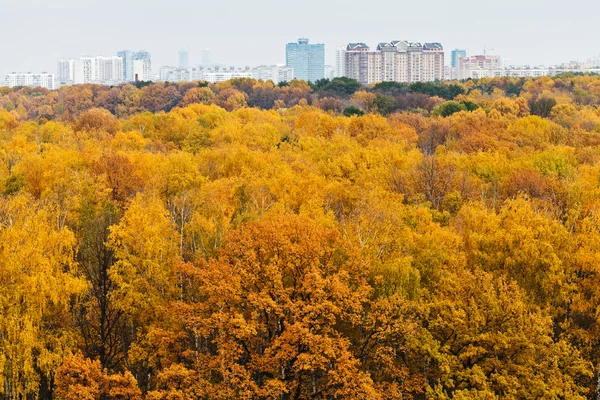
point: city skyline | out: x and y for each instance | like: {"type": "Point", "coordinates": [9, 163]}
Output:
{"type": "Point", "coordinates": [258, 37]}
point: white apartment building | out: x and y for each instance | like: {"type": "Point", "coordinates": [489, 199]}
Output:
{"type": "Point", "coordinates": [397, 61]}
{"type": "Point", "coordinates": [65, 70]}
{"type": "Point", "coordinates": [44, 80]}
{"type": "Point", "coordinates": [99, 70]}
{"type": "Point", "coordinates": [475, 66]}
{"type": "Point", "coordinates": [177, 74]}
{"type": "Point", "coordinates": [525, 72]}
{"type": "Point", "coordinates": [340, 61]}
{"type": "Point", "coordinates": [142, 70]}
{"type": "Point", "coordinates": [275, 73]}
{"type": "Point", "coordinates": [222, 76]}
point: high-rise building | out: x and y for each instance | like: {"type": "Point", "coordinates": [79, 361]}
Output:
{"type": "Point", "coordinates": [456, 56]}
{"type": "Point", "coordinates": [307, 60]}
{"type": "Point", "coordinates": [142, 70]}
{"type": "Point", "coordinates": [99, 70]}
{"type": "Point", "coordinates": [184, 59]}
{"type": "Point", "coordinates": [432, 68]}
{"type": "Point", "coordinates": [65, 68]}
{"type": "Point", "coordinates": [206, 60]}
{"type": "Point", "coordinates": [397, 61]}
{"type": "Point", "coordinates": [340, 61]}
{"type": "Point", "coordinates": [127, 56]}
{"type": "Point", "coordinates": [130, 59]}
{"type": "Point", "coordinates": [44, 80]}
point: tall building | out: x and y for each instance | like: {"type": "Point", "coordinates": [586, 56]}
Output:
{"type": "Point", "coordinates": [44, 80]}
{"type": "Point", "coordinates": [340, 61]}
{"type": "Point", "coordinates": [184, 59]}
{"type": "Point", "coordinates": [468, 67]}
{"type": "Point", "coordinates": [142, 70]}
{"type": "Point", "coordinates": [130, 60]}
{"type": "Point", "coordinates": [65, 69]}
{"type": "Point", "coordinates": [99, 70]}
{"type": "Point", "coordinates": [206, 60]}
{"type": "Point", "coordinates": [397, 61]}
{"type": "Point", "coordinates": [432, 68]}
{"type": "Point", "coordinates": [127, 56]}
{"type": "Point", "coordinates": [456, 56]}
{"type": "Point", "coordinates": [307, 60]}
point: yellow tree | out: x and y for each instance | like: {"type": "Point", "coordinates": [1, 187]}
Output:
{"type": "Point", "coordinates": [38, 282]}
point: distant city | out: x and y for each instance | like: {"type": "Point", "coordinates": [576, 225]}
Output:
{"type": "Point", "coordinates": [396, 61]}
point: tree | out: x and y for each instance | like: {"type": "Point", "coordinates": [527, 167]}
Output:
{"type": "Point", "coordinates": [38, 282]}
{"type": "Point", "coordinates": [342, 87]}
{"type": "Point", "coordinates": [81, 378]}
{"type": "Point", "coordinates": [274, 299]}
{"type": "Point", "coordinates": [157, 97]}
{"type": "Point", "coordinates": [491, 344]}
{"type": "Point", "coordinates": [384, 105]}
{"type": "Point", "coordinates": [449, 108]}
{"type": "Point", "coordinates": [353, 110]}
{"type": "Point", "coordinates": [543, 106]}
{"type": "Point", "coordinates": [97, 120]}
{"type": "Point", "coordinates": [102, 324]}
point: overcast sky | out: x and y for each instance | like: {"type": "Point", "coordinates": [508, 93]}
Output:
{"type": "Point", "coordinates": [35, 33]}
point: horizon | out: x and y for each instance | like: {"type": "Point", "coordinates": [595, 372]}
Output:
{"type": "Point", "coordinates": [246, 36]}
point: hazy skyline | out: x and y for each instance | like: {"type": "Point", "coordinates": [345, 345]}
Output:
{"type": "Point", "coordinates": [35, 34]}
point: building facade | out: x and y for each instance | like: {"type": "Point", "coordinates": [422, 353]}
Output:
{"type": "Point", "coordinates": [206, 58]}
{"type": "Point", "coordinates": [142, 70]}
{"type": "Point", "coordinates": [527, 72]}
{"type": "Point", "coordinates": [184, 59]}
{"type": "Point", "coordinates": [396, 61]}
{"type": "Point", "coordinates": [44, 80]}
{"type": "Point", "coordinates": [456, 56]}
{"type": "Point", "coordinates": [212, 75]}
{"type": "Point", "coordinates": [99, 70]}
{"type": "Point", "coordinates": [127, 56]}
{"type": "Point", "coordinates": [130, 60]}
{"type": "Point", "coordinates": [468, 67]}
{"type": "Point", "coordinates": [275, 73]}
{"type": "Point", "coordinates": [65, 70]}
{"type": "Point", "coordinates": [307, 60]}
{"type": "Point", "coordinates": [330, 72]}
{"type": "Point", "coordinates": [340, 61]}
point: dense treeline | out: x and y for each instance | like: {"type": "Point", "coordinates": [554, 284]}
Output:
{"type": "Point", "coordinates": [246, 240]}
{"type": "Point", "coordinates": [338, 96]}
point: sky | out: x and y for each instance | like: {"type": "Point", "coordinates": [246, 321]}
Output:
{"type": "Point", "coordinates": [35, 33]}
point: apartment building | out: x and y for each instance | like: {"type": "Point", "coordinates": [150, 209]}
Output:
{"type": "Point", "coordinates": [396, 61]}
{"type": "Point", "coordinates": [275, 73]}
{"type": "Point", "coordinates": [340, 61]}
{"type": "Point", "coordinates": [65, 70]}
{"type": "Point", "coordinates": [456, 55]}
{"type": "Point", "coordinates": [471, 67]}
{"type": "Point", "coordinates": [98, 70]}
{"type": "Point", "coordinates": [44, 80]}
{"type": "Point", "coordinates": [136, 63]}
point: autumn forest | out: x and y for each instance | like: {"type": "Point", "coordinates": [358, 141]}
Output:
{"type": "Point", "coordinates": [245, 240]}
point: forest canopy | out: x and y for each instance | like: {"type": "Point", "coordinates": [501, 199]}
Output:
{"type": "Point", "coordinates": [245, 240]}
